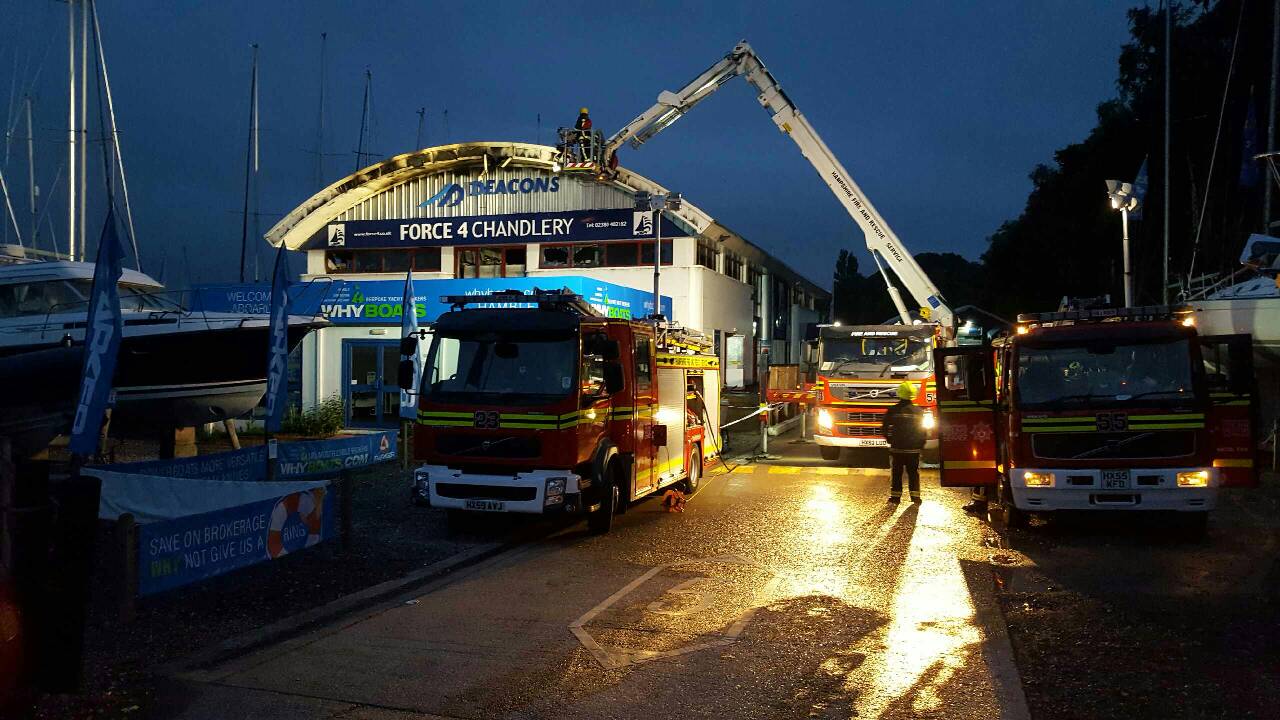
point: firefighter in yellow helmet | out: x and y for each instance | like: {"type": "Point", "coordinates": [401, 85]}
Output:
{"type": "Point", "coordinates": [903, 427]}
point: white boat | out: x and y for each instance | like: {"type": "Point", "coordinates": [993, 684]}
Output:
{"type": "Point", "coordinates": [1251, 305]}
{"type": "Point", "coordinates": [176, 368]}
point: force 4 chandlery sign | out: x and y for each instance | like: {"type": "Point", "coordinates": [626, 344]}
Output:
{"type": "Point", "coordinates": [571, 226]}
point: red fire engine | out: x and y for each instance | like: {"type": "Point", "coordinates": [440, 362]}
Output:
{"type": "Point", "coordinates": [538, 404]}
{"type": "Point", "coordinates": [1111, 409]}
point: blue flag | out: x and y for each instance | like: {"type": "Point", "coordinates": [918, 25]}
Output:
{"type": "Point", "coordinates": [1250, 174]}
{"type": "Point", "coordinates": [1140, 191]}
{"type": "Point", "coordinates": [102, 331]}
{"type": "Point", "coordinates": [278, 344]}
{"type": "Point", "coordinates": [409, 327]}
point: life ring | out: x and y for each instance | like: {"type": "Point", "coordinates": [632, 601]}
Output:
{"type": "Point", "coordinates": [309, 504]}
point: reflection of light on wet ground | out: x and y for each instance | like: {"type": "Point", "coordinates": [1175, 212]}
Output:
{"type": "Point", "coordinates": [825, 515]}
{"type": "Point", "coordinates": [931, 627]}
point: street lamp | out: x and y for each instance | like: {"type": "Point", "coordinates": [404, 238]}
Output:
{"type": "Point", "coordinates": [657, 203]}
{"type": "Point", "coordinates": [1123, 199]}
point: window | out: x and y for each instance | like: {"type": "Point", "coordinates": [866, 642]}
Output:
{"type": "Point", "coordinates": [642, 359]}
{"type": "Point", "coordinates": [707, 252]}
{"type": "Point", "coordinates": [733, 265]}
{"type": "Point", "coordinates": [491, 262]}
{"type": "Point", "coordinates": [615, 254]}
{"type": "Point", "coordinates": [337, 262]}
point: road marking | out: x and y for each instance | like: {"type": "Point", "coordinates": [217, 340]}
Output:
{"type": "Point", "coordinates": [612, 658]}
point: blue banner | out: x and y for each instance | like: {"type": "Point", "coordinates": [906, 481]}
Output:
{"type": "Point", "coordinates": [173, 553]}
{"type": "Point", "coordinates": [409, 328]}
{"type": "Point", "coordinates": [255, 298]}
{"type": "Point", "coordinates": [103, 329]}
{"type": "Point", "coordinates": [319, 458]}
{"type": "Point", "coordinates": [244, 465]}
{"type": "Point", "coordinates": [278, 351]}
{"type": "Point", "coordinates": [544, 227]}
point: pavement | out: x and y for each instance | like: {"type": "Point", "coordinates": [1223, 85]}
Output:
{"type": "Point", "coordinates": [787, 588]}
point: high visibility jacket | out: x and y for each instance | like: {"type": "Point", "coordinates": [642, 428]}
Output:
{"type": "Point", "coordinates": [903, 426]}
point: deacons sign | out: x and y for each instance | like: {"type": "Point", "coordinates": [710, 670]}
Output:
{"type": "Point", "coordinates": [570, 226]}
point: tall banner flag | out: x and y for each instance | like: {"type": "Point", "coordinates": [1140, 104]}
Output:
{"type": "Point", "coordinates": [1140, 191]}
{"type": "Point", "coordinates": [278, 350]}
{"type": "Point", "coordinates": [409, 328]}
{"type": "Point", "coordinates": [1250, 173]}
{"type": "Point", "coordinates": [102, 331]}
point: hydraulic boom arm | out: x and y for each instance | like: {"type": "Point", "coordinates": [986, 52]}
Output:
{"type": "Point", "coordinates": [885, 246]}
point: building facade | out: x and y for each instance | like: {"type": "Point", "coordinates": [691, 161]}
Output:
{"type": "Point", "coordinates": [497, 215]}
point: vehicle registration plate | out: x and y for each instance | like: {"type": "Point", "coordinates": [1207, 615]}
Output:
{"type": "Point", "coordinates": [1115, 479]}
{"type": "Point", "coordinates": [489, 505]}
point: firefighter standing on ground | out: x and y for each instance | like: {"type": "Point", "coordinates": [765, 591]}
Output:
{"type": "Point", "coordinates": [903, 427]}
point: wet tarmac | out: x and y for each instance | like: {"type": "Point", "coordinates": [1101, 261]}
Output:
{"type": "Point", "coordinates": [785, 590]}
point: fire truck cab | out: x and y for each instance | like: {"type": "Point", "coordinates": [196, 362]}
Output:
{"type": "Point", "coordinates": [859, 370]}
{"type": "Point", "coordinates": [538, 404]}
{"type": "Point", "coordinates": [1111, 409]}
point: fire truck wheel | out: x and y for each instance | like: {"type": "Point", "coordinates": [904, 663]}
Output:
{"type": "Point", "coordinates": [694, 479]}
{"type": "Point", "coordinates": [601, 521]}
{"type": "Point", "coordinates": [1013, 517]}
{"type": "Point", "coordinates": [830, 454]}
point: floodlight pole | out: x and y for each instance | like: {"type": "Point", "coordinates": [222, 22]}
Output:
{"type": "Point", "coordinates": [1128, 273]}
{"type": "Point", "coordinates": [657, 258]}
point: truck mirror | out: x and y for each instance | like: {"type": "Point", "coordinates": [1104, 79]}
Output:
{"type": "Point", "coordinates": [600, 344]}
{"type": "Point", "coordinates": [610, 350]}
{"type": "Point", "coordinates": [659, 435]}
{"type": "Point", "coordinates": [613, 377]}
{"type": "Point", "coordinates": [404, 375]}
{"type": "Point", "coordinates": [409, 345]}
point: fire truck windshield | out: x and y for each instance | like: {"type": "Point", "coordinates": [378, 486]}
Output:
{"type": "Point", "coordinates": [458, 369]}
{"type": "Point", "coordinates": [883, 354]}
{"type": "Point", "coordinates": [1070, 375]}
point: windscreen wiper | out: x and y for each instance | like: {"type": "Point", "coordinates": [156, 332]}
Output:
{"type": "Point", "coordinates": [1111, 446]}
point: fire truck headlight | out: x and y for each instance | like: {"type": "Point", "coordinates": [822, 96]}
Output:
{"type": "Point", "coordinates": [824, 418]}
{"type": "Point", "coordinates": [555, 490]}
{"type": "Point", "coordinates": [929, 422]}
{"type": "Point", "coordinates": [1194, 478]}
{"type": "Point", "coordinates": [1038, 479]}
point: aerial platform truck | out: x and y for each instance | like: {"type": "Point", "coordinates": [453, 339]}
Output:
{"type": "Point", "coordinates": [539, 404]}
{"type": "Point", "coordinates": [859, 368]}
{"type": "Point", "coordinates": [1099, 409]}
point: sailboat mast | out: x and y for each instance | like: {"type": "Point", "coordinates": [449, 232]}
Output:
{"type": "Point", "coordinates": [1271, 111]}
{"type": "Point", "coordinates": [71, 129]}
{"type": "Point", "coordinates": [324, 38]}
{"type": "Point", "coordinates": [82, 193]}
{"type": "Point", "coordinates": [364, 120]}
{"type": "Point", "coordinates": [1168, 61]}
{"type": "Point", "coordinates": [115, 136]}
{"type": "Point", "coordinates": [32, 191]}
{"type": "Point", "coordinates": [249, 162]}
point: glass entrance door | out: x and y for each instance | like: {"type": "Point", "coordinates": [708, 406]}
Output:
{"type": "Point", "coordinates": [370, 394]}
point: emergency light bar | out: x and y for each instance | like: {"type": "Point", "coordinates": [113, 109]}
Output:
{"type": "Point", "coordinates": [556, 299]}
{"type": "Point", "coordinates": [1141, 312]}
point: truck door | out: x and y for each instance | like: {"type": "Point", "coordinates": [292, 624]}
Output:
{"type": "Point", "coordinates": [1228, 368]}
{"type": "Point", "coordinates": [641, 412]}
{"type": "Point", "coordinates": [966, 419]}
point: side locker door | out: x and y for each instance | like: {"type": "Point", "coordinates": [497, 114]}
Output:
{"type": "Point", "coordinates": [966, 419]}
{"type": "Point", "coordinates": [641, 412]}
{"type": "Point", "coordinates": [1228, 367]}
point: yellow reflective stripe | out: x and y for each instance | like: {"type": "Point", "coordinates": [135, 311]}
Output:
{"type": "Point", "coordinates": [1232, 463]}
{"type": "Point", "coordinates": [1231, 403]}
{"type": "Point", "coordinates": [1060, 428]}
{"type": "Point", "coordinates": [1166, 426]}
{"type": "Point", "coordinates": [1076, 419]}
{"type": "Point", "coordinates": [976, 408]}
{"type": "Point", "coordinates": [443, 413]}
{"type": "Point", "coordinates": [968, 464]}
{"type": "Point", "coordinates": [1173, 416]}
{"type": "Point", "coordinates": [445, 423]}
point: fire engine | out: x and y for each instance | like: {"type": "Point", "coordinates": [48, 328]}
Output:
{"type": "Point", "coordinates": [859, 370]}
{"type": "Point", "coordinates": [1105, 409]}
{"type": "Point", "coordinates": [539, 404]}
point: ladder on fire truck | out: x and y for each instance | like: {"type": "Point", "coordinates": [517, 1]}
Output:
{"type": "Point", "coordinates": [886, 249]}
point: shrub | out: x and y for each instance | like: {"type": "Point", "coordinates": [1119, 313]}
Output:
{"type": "Point", "coordinates": [323, 420]}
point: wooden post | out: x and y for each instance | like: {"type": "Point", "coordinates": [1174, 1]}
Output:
{"type": "Point", "coordinates": [272, 450]}
{"type": "Point", "coordinates": [345, 488]}
{"type": "Point", "coordinates": [230, 426]}
{"type": "Point", "coordinates": [127, 541]}
{"type": "Point", "coordinates": [103, 433]}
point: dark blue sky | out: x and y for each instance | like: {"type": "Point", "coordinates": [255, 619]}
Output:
{"type": "Point", "coordinates": [938, 109]}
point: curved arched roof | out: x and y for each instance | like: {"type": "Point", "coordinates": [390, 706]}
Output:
{"type": "Point", "coordinates": [327, 205]}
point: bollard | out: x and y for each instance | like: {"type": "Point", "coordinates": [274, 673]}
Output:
{"type": "Point", "coordinates": [345, 488]}
{"type": "Point", "coordinates": [127, 540]}
{"type": "Point", "coordinates": [764, 428]}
